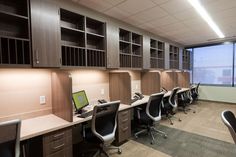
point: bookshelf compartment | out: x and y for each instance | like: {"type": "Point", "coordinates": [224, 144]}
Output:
{"type": "Point", "coordinates": [125, 47]}
{"type": "Point", "coordinates": [136, 38]}
{"type": "Point", "coordinates": [72, 38]}
{"type": "Point", "coordinates": [154, 53]}
{"type": "Point", "coordinates": [96, 58]}
{"type": "Point", "coordinates": [153, 43]}
{"type": "Point", "coordinates": [136, 49]}
{"type": "Point", "coordinates": [161, 63]}
{"type": "Point", "coordinates": [136, 62]}
{"type": "Point", "coordinates": [13, 27]}
{"type": "Point", "coordinates": [14, 51]}
{"type": "Point", "coordinates": [161, 45]}
{"type": "Point", "coordinates": [125, 61]}
{"type": "Point", "coordinates": [124, 35]}
{"type": "Point", "coordinates": [18, 7]}
{"type": "Point", "coordinates": [72, 56]}
{"type": "Point", "coordinates": [95, 42]}
{"type": "Point", "coordinates": [72, 20]}
{"type": "Point", "coordinates": [154, 63]}
{"type": "Point", "coordinates": [94, 26]}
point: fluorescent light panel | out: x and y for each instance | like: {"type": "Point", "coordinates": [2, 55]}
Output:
{"type": "Point", "coordinates": [203, 13]}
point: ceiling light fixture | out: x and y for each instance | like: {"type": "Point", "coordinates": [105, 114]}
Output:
{"type": "Point", "coordinates": [203, 13]}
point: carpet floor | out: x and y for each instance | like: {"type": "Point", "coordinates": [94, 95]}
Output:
{"type": "Point", "coordinates": [184, 144]}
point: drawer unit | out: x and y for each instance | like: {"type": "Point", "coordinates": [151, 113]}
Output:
{"type": "Point", "coordinates": [58, 143]}
{"type": "Point", "coordinates": [124, 126]}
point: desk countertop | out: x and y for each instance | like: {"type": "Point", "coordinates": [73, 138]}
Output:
{"type": "Point", "coordinates": [44, 124]}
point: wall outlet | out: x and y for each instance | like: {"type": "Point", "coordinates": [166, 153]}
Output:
{"type": "Point", "coordinates": [42, 100]}
{"type": "Point", "coordinates": [102, 91]}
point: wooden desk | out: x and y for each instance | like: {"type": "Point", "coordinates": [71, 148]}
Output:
{"type": "Point", "coordinates": [45, 124]}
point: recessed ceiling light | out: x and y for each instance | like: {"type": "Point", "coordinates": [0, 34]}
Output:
{"type": "Point", "coordinates": [204, 14]}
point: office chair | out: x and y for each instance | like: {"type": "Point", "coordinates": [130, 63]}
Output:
{"type": "Point", "coordinates": [10, 138]}
{"type": "Point", "coordinates": [229, 120]}
{"type": "Point", "coordinates": [170, 105]}
{"type": "Point", "coordinates": [103, 127]}
{"type": "Point", "coordinates": [194, 92]}
{"type": "Point", "coordinates": [150, 115]}
{"type": "Point", "coordinates": [184, 101]}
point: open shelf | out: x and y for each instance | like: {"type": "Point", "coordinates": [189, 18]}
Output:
{"type": "Point", "coordinates": [125, 35]}
{"type": "Point", "coordinates": [83, 41]}
{"type": "Point", "coordinates": [13, 7]}
{"type": "Point", "coordinates": [157, 54]}
{"type": "Point", "coordinates": [71, 20]}
{"type": "Point", "coordinates": [73, 38]}
{"type": "Point", "coordinates": [174, 57]}
{"type": "Point", "coordinates": [72, 56]}
{"type": "Point", "coordinates": [14, 33]}
{"type": "Point", "coordinates": [94, 26]}
{"type": "Point", "coordinates": [130, 49]}
{"type": "Point", "coordinates": [95, 42]}
{"type": "Point", "coordinates": [13, 51]}
{"type": "Point", "coordinates": [186, 60]}
{"type": "Point", "coordinates": [136, 38]}
{"type": "Point", "coordinates": [13, 26]}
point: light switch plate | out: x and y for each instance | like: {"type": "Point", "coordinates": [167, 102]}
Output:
{"type": "Point", "coordinates": [42, 100]}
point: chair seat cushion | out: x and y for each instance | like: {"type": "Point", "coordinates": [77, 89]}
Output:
{"type": "Point", "coordinates": [90, 137]}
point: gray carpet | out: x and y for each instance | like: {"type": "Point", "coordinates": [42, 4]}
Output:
{"type": "Point", "coordinates": [183, 144]}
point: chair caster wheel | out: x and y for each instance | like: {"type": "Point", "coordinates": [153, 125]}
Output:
{"type": "Point", "coordinates": [151, 142]}
{"type": "Point", "coordinates": [194, 111]}
{"type": "Point", "coordinates": [135, 136]}
{"type": "Point", "coordinates": [180, 120]}
{"type": "Point", "coordinates": [165, 136]}
{"type": "Point", "coordinates": [171, 123]}
{"type": "Point", "coordinates": [119, 151]}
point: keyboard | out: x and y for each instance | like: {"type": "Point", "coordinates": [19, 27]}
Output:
{"type": "Point", "coordinates": [86, 114]}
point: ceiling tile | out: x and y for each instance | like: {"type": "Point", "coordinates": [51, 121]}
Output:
{"type": "Point", "coordinates": [186, 14]}
{"type": "Point", "coordinates": [175, 6]}
{"type": "Point", "coordinates": [164, 21]}
{"type": "Point", "coordinates": [117, 13]}
{"type": "Point", "coordinates": [150, 14]}
{"type": "Point", "coordinates": [114, 2]}
{"type": "Point", "coordinates": [135, 6]}
{"type": "Point", "coordinates": [160, 1]}
{"type": "Point", "coordinates": [99, 5]}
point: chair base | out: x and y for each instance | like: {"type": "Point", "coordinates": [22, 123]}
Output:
{"type": "Point", "coordinates": [170, 117]}
{"type": "Point", "coordinates": [151, 130]}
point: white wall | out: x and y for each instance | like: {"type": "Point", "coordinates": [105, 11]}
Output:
{"type": "Point", "coordinates": [217, 93]}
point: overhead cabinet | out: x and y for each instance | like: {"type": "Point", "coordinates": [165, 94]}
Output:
{"type": "Point", "coordinates": [45, 25]}
{"type": "Point", "coordinates": [82, 41]}
{"type": "Point", "coordinates": [14, 33]}
{"type": "Point", "coordinates": [174, 57]}
{"type": "Point", "coordinates": [157, 54]}
{"type": "Point", "coordinates": [186, 59]}
{"type": "Point", "coordinates": [130, 49]}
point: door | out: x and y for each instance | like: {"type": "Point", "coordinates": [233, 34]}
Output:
{"type": "Point", "coordinates": [45, 26]}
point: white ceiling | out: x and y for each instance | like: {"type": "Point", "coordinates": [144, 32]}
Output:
{"type": "Point", "coordinates": [172, 19]}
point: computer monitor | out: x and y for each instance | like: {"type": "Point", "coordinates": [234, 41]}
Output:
{"type": "Point", "coordinates": [80, 100]}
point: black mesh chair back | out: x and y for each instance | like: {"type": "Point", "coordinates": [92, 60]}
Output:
{"type": "Point", "coordinates": [230, 121]}
{"type": "Point", "coordinates": [10, 138]}
{"type": "Point", "coordinates": [173, 97]}
{"type": "Point", "coordinates": [153, 108]}
{"type": "Point", "coordinates": [104, 121]}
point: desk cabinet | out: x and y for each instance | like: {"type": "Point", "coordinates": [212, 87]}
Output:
{"type": "Point", "coordinates": [58, 143]}
{"type": "Point", "coordinates": [124, 126]}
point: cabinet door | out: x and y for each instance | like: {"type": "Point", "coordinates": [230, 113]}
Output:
{"type": "Point", "coordinates": [146, 52]}
{"type": "Point", "coordinates": [112, 46]}
{"type": "Point", "coordinates": [45, 25]}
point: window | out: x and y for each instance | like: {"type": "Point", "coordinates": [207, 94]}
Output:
{"type": "Point", "coordinates": [213, 65]}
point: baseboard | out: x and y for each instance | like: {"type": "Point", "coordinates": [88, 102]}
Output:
{"type": "Point", "coordinates": [230, 103]}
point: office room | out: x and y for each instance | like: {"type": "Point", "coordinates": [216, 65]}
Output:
{"type": "Point", "coordinates": [117, 78]}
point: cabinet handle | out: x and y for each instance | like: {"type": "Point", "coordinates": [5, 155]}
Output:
{"type": "Point", "coordinates": [58, 147]}
{"type": "Point", "coordinates": [59, 135]}
{"type": "Point", "coordinates": [125, 120]}
{"type": "Point", "coordinates": [37, 56]}
{"type": "Point", "coordinates": [124, 129]}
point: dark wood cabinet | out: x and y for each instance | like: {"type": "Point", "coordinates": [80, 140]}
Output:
{"type": "Point", "coordinates": [174, 57]}
{"type": "Point", "coordinates": [123, 132]}
{"type": "Point", "coordinates": [186, 60]}
{"type": "Point", "coordinates": [157, 54]}
{"type": "Point", "coordinates": [45, 26]}
{"type": "Point", "coordinates": [14, 34]}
